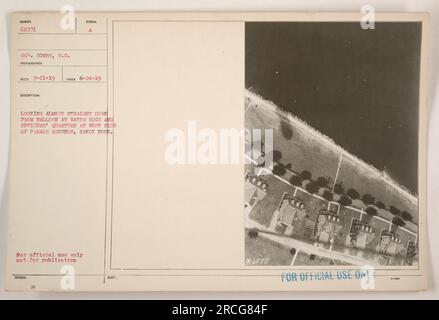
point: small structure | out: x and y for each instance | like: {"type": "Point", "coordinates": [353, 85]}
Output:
{"type": "Point", "coordinates": [389, 244]}
{"type": "Point", "coordinates": [412, 251]}
{"type": "Point", "coordinates": [360, 234]}
{"type": "Point", "coordinates": [255, 189]}
{"type": "Point", "coordinates": [291, 213]}
{"type": "Point", "coordinates": [328, 226]}
{"type": "Point", "coordinates": [290, 209]}
{"type": "Point", "coordinates": [309, 227]}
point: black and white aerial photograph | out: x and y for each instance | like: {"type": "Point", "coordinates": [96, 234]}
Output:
{"type": "Point", "coordinates": [343, 106]}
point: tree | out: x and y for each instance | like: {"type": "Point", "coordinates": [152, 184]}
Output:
{"type": "Point", "coordinates": [395, 211]}
{"type": "Point", "coordinates": [296, 180]}
{"type": "Point", "coordinates": [253, 234]}
{"type": "Point", "coordinates": [406, 216]}
{"type": "Point", "coordinates": [371, 211]}
{"type": "Point", "coordinates": [338, 188]}
{"type": "Point", "coordinates": [322, 182]}
{"type": "Point", "coordinates": [345, 201]}
{"type": "Point", "coordinates": [312, 187]}
{"type": "Point", "coordinates": [293, 251]}
{"type": "Point", "coordinates": [368, 199]}
{"type": "Point", "coordinates": [353, 194]}
{"type": "Point", "coordinates": [328, 195]}
{"type": "Point", "coordinates": [380, 205]}
{"type": "Point", "coordinates": [397, 221]}
{"type": "Point", "coordinates": [305, 175]}
{"type": "Point", "coordinates": [279, 170]}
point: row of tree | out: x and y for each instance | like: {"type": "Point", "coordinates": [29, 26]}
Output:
{"type": "Point", "coordinates": [369, 200]}
{"type": "Point", "coordinates": [345, 198]}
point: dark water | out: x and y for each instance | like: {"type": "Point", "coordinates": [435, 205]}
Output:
{"type": "Point", "coordinates": [359, 87]}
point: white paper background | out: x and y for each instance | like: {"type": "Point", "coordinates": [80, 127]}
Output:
{"type": "Point", "coordinates": [431, 6]}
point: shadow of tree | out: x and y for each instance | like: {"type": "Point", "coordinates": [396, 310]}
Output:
{"type": "Point", "coordinates": [286, 130]}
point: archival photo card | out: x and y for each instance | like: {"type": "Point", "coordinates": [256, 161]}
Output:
{"type": "Point", "coordinates": [218, 151]}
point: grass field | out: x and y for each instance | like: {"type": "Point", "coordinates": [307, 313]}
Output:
{"type": "Point", "coordinates": [262, 251]}
{"type": "Point", "coordinates": [364, 181]}
{"type": "Point", "coordinates": [297, 150]}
